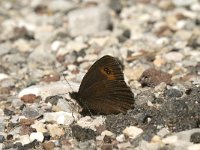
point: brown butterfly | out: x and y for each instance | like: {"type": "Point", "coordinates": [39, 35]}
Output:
{"type": "Point", "coordinates": [103, 89]}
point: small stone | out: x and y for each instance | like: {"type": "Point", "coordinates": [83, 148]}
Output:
{"type": "Point", "coordinates": [63, 105]}
{"type": "Point", "coordinates": [51, 77]}
{"type": "Point", "coordinates": [36, 136]}
{"type": "Point", "coordinates": [195, 138]}
{"type": "Point", "coordinates": [55, 130]}
{"type": "Point", "coordinates": [2, 138]}
{"type": "Point", "coordinates": [194, 147]}
{"type": "Point", "coordinates": [107, 147]}
{"type": "Point", "coordinates": [44, 91]}
{"type": "Point", "coordinates": [5, 48]}
{"type": "Point", "coordinates": [56, 45]}
{"type": "Point", "coordinates": [173, 56]}
{"type": "Point", "coordinates": [144, 145]}
{"type": "Point", "coordinates": [25, 130]}
{"type": "Point", "coordinates": [48, 145]}
{"type": "Point", "coordinates": [152, 77]}
{"type": "Point", "coordinates": [53, 99]}
{"type": "Point", "coordinates": [120, 138]}
{"type": "Point", "coordinates": [39, 126]}
{"type": "Point", "coordinates": [183, 2]}
{"type": "Point", "coordinates": [173, 93]}
{"type": "Point", "coordinates": [22, 45]}
{"type": "Point", "coordinates": [41, 57]}
{"type": "Point", "coordinates": [24, 139]}
{"type": "Point", "coordinates": [60, 5]}
{"type": "Point", "coordinates": [88, 122]}
{"type": "Point", "coordinates": [6, 81]}
{"type": "Point", "coordinates": [156, 139]}
{"type": "Point", "coordinates": [29, 98]}
{"type": "Point", "coordinates": [124, 145]}
{"type": "Point", "coordinates": [170, 140]}
{"type": "Point", "coordinates": [30, 112]}
{"type": "Point", "coordinates": [81, 19]}
{"type": "Point", "coordinates": [134, 73]}
{"type": "Point", "coordinates": [65, 118]}
{"type": "Point", "coordinates": [108, 133]}
{"type": "Point", "coordinates": [83, 134]}
{"type": "Point", "coordinates": [26, 122]}
{"type": "Point", "coordinates": [132, 131]}
{"type": "Point", "coordinates": [163, 132]}
{"type": "Point", "coordinates": [9, 137]}
{"type": "Point", "coordinates": [8, 112]}
{"type": "Point", "coordinates": [17, 103]}
{"type": "Point", "coordinates": [75, 46]}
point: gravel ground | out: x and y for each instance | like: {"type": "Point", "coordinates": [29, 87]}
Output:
{"type": "Point", "coordinates": [158, 43]}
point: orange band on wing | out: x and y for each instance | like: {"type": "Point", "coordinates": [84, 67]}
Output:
{"type": "Point", "coordinates": [109, 76]}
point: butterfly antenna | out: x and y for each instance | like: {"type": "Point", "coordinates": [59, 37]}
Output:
{"type": "Point", "coordinates": [67, 82]}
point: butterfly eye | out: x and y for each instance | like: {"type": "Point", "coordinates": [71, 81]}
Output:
{"type": "Point", "coordinates": [108, 71]}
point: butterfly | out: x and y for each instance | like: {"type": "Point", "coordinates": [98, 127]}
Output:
{"type": "Point", "coordinates": [103, 89]}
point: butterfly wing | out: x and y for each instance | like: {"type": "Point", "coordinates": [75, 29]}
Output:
{"type": "Point", "coordinates": [108, 97]}
{"type": "Point", "coordinates": [103, 89]}
{"type": "Point", "coordinates": [106, 68]}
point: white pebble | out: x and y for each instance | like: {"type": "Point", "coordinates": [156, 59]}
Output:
{"type": "Point", "coordinates": [132, 131]}
{"type": "Point", "coordinates": [24, 139]}
{"type": "Point", "coordinates": [37, 136]}
{"type": "Point", "coordinates": [170, 140]}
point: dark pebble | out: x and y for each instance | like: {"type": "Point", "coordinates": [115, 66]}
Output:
{"type": "Point", "coordinates": [53, 99]}
{"type": "Point", "coordinates": [107, 147]}
{"type": "Point", "coordinates": [107, 139]}
{"type": "Point", "coordinates": [2, 138]}
{"type": "Point", "coordinates": [8, 112]}
{"type": "Point", "coordinates": [47, 136]}
{"type": "Point", "coordinates": [195, 138]}
{"type": "Point", "coordinates": [9, 137]}
{"type": "Point", "coordinates": [173, 93]}
{"type": "Point", "coordinates": [152, 77]}
{"type": "Point", "coordinates": [83, 134]}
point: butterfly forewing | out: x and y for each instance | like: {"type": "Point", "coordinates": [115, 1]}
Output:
{"type": "Point", "coordinates": [97, 72]}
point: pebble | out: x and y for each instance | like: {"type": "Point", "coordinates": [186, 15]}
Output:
{"type": "Point", "coordinates": [5, 48]}
{"type": "Point", "coordinates": [41, 57]}
{"type": "Point", "coordinates": [152, 77]}
{"type": "Point", "coordinates": [2, 138]}
{"type": "Point", "coordinates": [36, 136]}
{"type": "Point", "coordinates": [30, 98]}
{"type": "Point", "coordinates": [120, 138]}
{"type": "Point", "coordinates": [24, 139]}
{"type": "Point", "coordinates": [55, 130]}
{"type": "Point", "coordinates": [61, 117]}
{"type": "Point", "coordinates": [163, 132]}
{"type": "Point", "coordinates": [183, 3]}
{"type": "Point", "coordinates": [88, 122]}
{"type": "Point", "coordinates": [108, 133]}
{"type": "Point", "coordinates": [54, 88]}
{"type": "Point", "coordinates": [132, 132]}
{"type": "Point", "coordinates": [30, 112]}
{"type": "Point", "coordinates": [173, 93]}
{"type": "Point", "coordinates": [174, 56]}
{"type": "Point", "coordinates": [81, 19]}
{"type": "Point", "coordinates": [60, 5]}
{"type": "Point", "coordinates": [63, 105]}
{"type": "Point", "coordinates": [39, 126]}
{"type": "Point", "coordinates": [195, 138]}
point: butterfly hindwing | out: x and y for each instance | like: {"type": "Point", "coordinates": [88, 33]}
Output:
{"type": "Point", "coordinates": [108, 97]}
